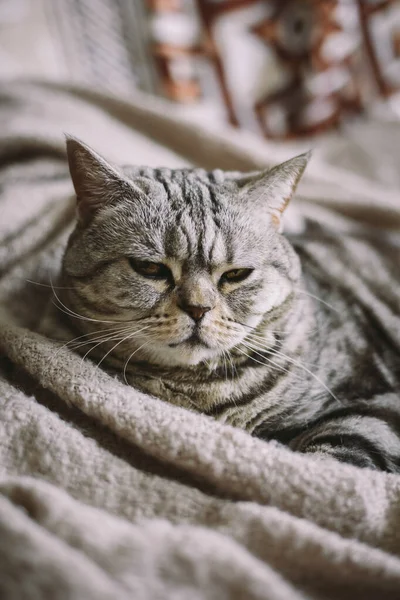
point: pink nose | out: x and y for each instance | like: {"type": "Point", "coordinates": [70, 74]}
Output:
{"type": "Point", "coordinates": [196, 312]}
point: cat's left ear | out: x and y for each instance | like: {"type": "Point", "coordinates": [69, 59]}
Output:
{"type": "Point", "coordinates": [97, 183]}
{"type": "Point", "coordinates": [272, 190]}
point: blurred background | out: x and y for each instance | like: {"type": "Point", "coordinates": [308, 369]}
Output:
{"type": "Point", "coordinates": [285, 69]}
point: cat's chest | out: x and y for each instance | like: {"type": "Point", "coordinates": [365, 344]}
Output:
{"type": "Point", "coordinates": [201, 394]}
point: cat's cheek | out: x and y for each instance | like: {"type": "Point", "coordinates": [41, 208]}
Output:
{"type": "Point", "coordinates": [271, 296]}
{"type": "Point", "coordinates": [281, 292]}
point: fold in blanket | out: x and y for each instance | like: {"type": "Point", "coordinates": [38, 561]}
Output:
{"type": "Point", "coordinates": [109, 493]}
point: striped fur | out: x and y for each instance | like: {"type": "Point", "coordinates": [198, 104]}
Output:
{"type": "Point", "coordinates": [304, 351]}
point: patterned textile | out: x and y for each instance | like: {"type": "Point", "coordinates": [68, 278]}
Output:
{"type": "Point", "coordinates": [283, 68]}
{"type": "Point", "coordinates": [105, 43]}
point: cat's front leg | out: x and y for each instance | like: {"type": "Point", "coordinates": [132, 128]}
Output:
{"type": "Point", "coordinates": [361, 440]}
{"type": "Point", "coordinates": [325, 449]}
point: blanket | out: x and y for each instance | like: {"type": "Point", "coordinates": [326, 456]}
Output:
{"type": "Point", "coordinates": [108, 493]}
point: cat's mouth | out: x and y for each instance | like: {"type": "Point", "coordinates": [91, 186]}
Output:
{"type": "Point", "coordinates": [194, 340]}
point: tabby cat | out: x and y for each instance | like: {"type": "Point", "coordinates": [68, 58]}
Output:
{"type": "Point", "coordinates": [182, 282]}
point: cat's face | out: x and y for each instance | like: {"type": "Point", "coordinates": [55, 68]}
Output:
{"type": "Point", "coordinates": [188, 260]}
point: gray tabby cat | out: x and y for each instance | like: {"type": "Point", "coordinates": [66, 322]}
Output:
{"type": "Point", "coordinates": [182, 282]}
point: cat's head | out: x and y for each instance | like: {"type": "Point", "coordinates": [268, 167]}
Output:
{"type": "Point", "coordinates": [191, 261]}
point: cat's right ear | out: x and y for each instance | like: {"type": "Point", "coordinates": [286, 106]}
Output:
{"type": "Point", "coordinates": [271, 190]}
{"type": "Point", "coordinates": [96, 182]}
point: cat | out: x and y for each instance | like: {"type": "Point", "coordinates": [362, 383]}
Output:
{"type": "Point", "coordinates": [183, 282]}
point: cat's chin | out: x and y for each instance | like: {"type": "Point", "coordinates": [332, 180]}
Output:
{"type": "Point", "coordinates": [183, 354]}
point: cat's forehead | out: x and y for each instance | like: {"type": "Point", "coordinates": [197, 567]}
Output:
{"type": "Point", "coordinates": [194, 215]}
{"type": "Point", "coordinates": [173, 191]}
{"type": "Point", "coordinates": [191, 176]}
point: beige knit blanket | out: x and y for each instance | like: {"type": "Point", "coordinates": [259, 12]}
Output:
{"type": "Point", "coordinates": [109, 493]}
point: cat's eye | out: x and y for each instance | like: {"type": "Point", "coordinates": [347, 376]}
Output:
{"type": "Point", "coordinates": [235, 275]}
{"type": "Point", "coordinates": [151, 270]}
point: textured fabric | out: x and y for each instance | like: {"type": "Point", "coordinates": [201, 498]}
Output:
{"type": "Point", "coordinates": [107, 492]}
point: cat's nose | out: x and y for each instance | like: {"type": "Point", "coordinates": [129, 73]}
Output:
{"type": "Point", "coordinates": [197, 312]}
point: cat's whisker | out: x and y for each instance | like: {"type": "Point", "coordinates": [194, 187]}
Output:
{"type": "Point", "coordinates": [228, 365]}
{"type": "Point", "coordinates": [55, 287]}
{"type": "Point", "coordinates": [302, 291]}
{"type": "Point", "coordinates": [254, 359]}
{"type": "Point", "coordinates": [110, 330]}
{"type": "Point", "coordinates": [206, 362]}
{"type": "Point", "coordinates": [129, 336]}
{"type": "Point", "coordinates": [129, 358]}
{"type": "Point", "coordinates": [223, 323]}
{"type": "Point", "coordinates": [255, 336]}
{"type": "Point", "coordinates": [235, 371]}
{"type": "Point", "coordinates": [267, 329]}
{"type": "Point", "coordinates": [269, 360]}
{"type": "Point", "coordinates": [74, 314]}
{"type": "Point", "coordinates": [260, 342]}
{"type": "Point", "coordinates": [101, 340]}
{"type": "Point", "coordinates": [67, 345]}
{"type": "Point", "coordinates": [225, 364]}
{"type": "Point", "coordinates": [109, 339]}
{"type": "Point", "coordinates": [76, 345]}
{"type": "Point", "coordinates": [233, 368]}
{"type": "Point", "coordinates": [118, 339]}
{"type": "Point", "coordinates": [70, 313]}
{"type": "Point", "coordinates": [222, 359]}
{"type": "Point", "coordinates": [268, 363]}
{"type": "Point", "coordinates": [302, 366]}
{"type": "Point", "coordinates": [64, 309]}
